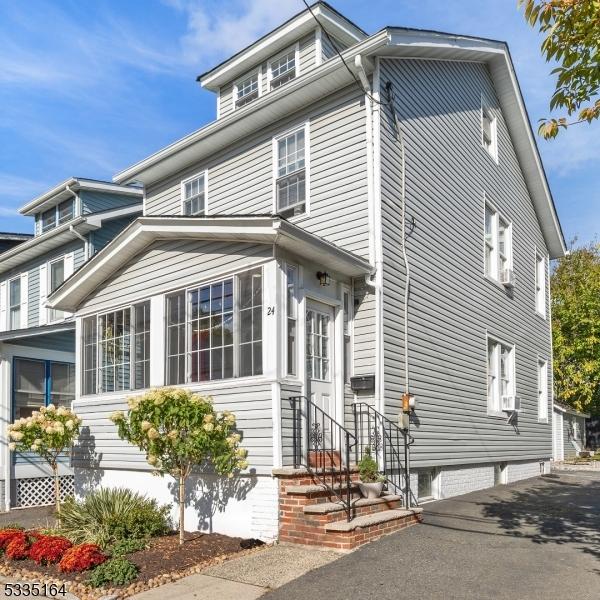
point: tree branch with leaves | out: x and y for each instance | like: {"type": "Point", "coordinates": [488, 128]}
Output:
{"type": "Point", "coordinates": [179, 430]}
{"type": "Point", "coordinates": [572, 39]}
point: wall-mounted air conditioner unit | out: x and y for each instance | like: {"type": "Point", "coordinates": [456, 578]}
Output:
{"type": "Point", "coordinates": [511, 403]}
{"type": "Point", "coordinates": [507, 278]}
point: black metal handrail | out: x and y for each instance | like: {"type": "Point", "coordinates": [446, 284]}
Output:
{"type": "Point", "coordinates": [323, 447]}
{"type": "Point", "coordinates": [389, 445]}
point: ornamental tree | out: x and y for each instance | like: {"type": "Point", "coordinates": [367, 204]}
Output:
{"type": "Point", "coordinates": [575, 286]}
{"type": "Point", "coordinates": [571, 39]}
{"type": "Point", "coordinates": [48, 432]}
{"type": "Point", "coordinates": [179, 430]}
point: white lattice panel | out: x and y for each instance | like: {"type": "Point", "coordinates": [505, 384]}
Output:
{"type": "Point", "coordinates": [39, 491]}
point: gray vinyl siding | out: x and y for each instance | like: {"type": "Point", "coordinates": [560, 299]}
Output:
{"type": "Point", "coordinates": [93, 202]}
{"type": "Point", "coordinates": [240, 179]}
{"type": "Point", "coordinates": [308, 56]}
{"type": "Point", "coordinates": [172, 264]}
{"type": "Point", "coordinates": [100, 237]}
{"type": "Point", "coordinates": [100, 447]}
{"type": "Point", "coordinates": [452, 304]}
{"type": "Point", "coordinates": [225, 100]}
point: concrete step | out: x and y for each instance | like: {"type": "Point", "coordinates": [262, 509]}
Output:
{"type": "Point", "coordinates": [318, 489]}
{"type": "Point", "coordinates": [324, 508]}
{"type": "Point", "coordinates": [372, 519]}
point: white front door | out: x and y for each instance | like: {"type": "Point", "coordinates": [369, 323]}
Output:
{"type": "Point", "coordinates": [319, 356]}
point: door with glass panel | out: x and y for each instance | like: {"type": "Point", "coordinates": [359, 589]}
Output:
{"type": "Point", "coordinates": [319, 361]}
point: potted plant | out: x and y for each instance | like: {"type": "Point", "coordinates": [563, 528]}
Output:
{"type": "Point", "coordinates": [371, 480]}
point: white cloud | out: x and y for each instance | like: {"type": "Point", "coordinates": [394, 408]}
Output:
{"type": "Point", "coordinates": [215, 34]}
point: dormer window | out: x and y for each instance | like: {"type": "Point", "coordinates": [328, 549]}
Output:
{"type": "Point", "coordinates": [247, 90]}
{"type": "Point", "coordinates": [49, 219]}
{"type": "Point", "coordinates": [57, 215]}
{"type": "Point", "coordinates": [193, 191]}
{"type": "Point", "coordinates": [66, 211]}
{"type": "Point", "coordinates": [283, 69]}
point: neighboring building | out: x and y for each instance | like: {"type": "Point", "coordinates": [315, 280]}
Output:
{"type": "Point", "coordinates": [568, 432]}
{"type": "Point", "coordinates": [10, 240]}
{"type": "Point", "coordinates": [268, 265]}
{"type": "Point", "coordinates": [73, 221]}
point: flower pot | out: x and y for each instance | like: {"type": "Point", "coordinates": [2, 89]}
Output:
{"type": "Point", "coordinates": [371, 490]}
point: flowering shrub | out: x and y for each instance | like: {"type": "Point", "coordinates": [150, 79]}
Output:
{"type": "Point", "coordinates": [81, 558]}
{"type": "Point", "coordinates": [7, 535]}
{"type": "Point", "coordinates": [178, 430]}
{"type": "Point", "coordinates": [48, 549]}
{"type": "Point", "coordinates": [18, 547]}
{"type": "Point", "coordinates": [47, 432]}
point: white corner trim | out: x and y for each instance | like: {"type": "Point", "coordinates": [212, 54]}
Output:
{"type": "Point", "coordinates": [318, 46]}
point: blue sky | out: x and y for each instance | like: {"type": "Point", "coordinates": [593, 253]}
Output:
{"type": "Point", "coordinates": [88, 88]}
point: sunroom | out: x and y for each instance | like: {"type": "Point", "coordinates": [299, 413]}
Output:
{"type": "Point", "coordinates": [247, 309]}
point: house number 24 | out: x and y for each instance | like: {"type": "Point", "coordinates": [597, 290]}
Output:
{"type": "Point", "coordinates": [270, 310]}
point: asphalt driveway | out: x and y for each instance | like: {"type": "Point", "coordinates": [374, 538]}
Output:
{"type": "Point", "coordinates": [536, 539]}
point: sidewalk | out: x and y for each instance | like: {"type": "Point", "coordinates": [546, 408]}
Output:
{"type": "Point", "coordinates": [244, 578]}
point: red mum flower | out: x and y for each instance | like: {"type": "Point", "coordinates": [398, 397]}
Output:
{"type": "Point", "coordinates": [18, 547]}
{"type": "Point", "coordinates": [7, 535]}
{"type": "Point", "coordinates": [81, 558]}
{"type": "Point", "coordinates": [49, 549]}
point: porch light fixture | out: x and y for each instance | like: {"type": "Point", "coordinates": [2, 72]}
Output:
{"type": "Point", "coordinates": [324, 278]}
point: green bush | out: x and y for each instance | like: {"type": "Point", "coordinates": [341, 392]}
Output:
{"type": "Point", "coordinates": [116, 571]}
{"type": "Point", "coordinates": [108, 515]}
{"type": "Point", "coordinates": [123, 547]}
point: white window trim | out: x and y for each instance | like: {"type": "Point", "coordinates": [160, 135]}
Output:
{"type": "Point", "coordinates": [493, 411]}
{"type": "Point", "coordinates": [306, 126]}
{"type": "Point", "coordinates": [234, 92]}
{"type": "Point", "coordinates": [347, 289]}
{"type": "Point", "coordinates": [182, 193]}
{"type": "Point", "coordinates": [544, 287]}
{"type": "Point", "coordinates": [542, 364]}
{"type": "Point", "coordinates": [296, 49]}
{"type": "Point", "coordinates": [485, 108]}
{"type": "Point", "coordinates": [284, 328]}
{"type": "Point", "coordinates": [495, 277]}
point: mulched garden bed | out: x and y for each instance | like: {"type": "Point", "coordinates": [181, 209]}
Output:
{"type": "Point", "coordinates": [163, 561]}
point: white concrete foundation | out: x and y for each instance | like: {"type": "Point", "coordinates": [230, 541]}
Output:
{"type": "Point", "coordinates": [244, 507]}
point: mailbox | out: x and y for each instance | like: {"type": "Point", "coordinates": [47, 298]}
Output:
{"type": "Point", "coordinates": [363, 383]}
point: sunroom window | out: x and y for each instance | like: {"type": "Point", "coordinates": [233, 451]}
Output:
{"type": "Point", "coordinates": [194, 196]}
{"type": "Point", "coordinates": [116, 350]}
{"type": "Point", "coordinates": [291, 174]}
{"type": "Point", "coordinates": [247, 90]}
{"type": "Point", "coordinates": [283, 69]}
{"type": "Point", "coordinates": [214, 331]}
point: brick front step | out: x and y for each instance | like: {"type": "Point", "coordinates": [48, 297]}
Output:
{"type": "Point", "coordinates": [312, 514]}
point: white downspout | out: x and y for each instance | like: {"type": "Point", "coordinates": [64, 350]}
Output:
{"type": "Point", "coordinates": [86, 244]}
{"type": "Point", "coordinates": [374, 280]}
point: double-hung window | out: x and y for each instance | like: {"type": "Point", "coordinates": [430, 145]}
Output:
{"type": "Point", "coordinates": [193, 191]}
{"type": "Point", "coordinates": [247, 90]}
{"type": "Point", "coordinates": [49, 219]}
{"type": "Point", "coordinates": [65, 211]}
{"type": "Point", "coordinates": [116, 350]}
{"type": "Point", "coordinates": [56, 278]}
{"type": "Point", "coordinates": [214, 331]}
{"type": "Point", "coordinates": [489, 132]}
{"type": "Point", "coordinates": [37, 383]}
{"type": "Point", "coordinates": [501, 374]}
{"type": "Point", "coordinates": [540, 284]}
{"type": "Point", "coordinates": [290, 176]}
{"type": "Point", "coordinates": [14, 303]}
{"type": "Point", "coordinates": [283, 69]}
{"type": "Point", "coordinates": [292, 319]}
{"type": "Point", "coordinates": [542, 390]}
{"type": "Point", "coordinates": [498, 247]}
